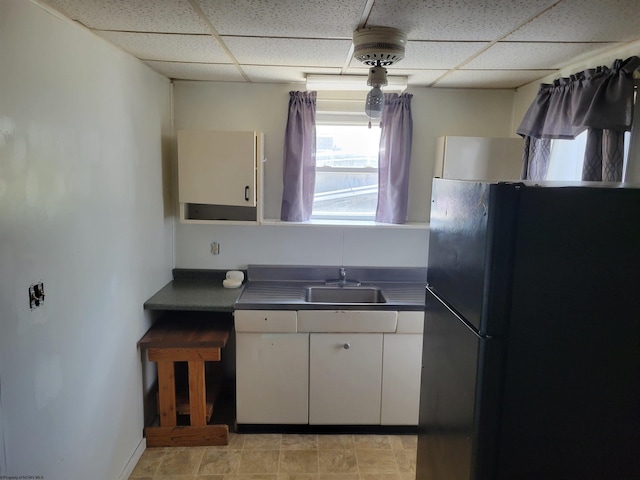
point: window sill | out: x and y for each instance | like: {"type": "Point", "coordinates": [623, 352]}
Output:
{"type": "Point", "coordinates": [347, 223]}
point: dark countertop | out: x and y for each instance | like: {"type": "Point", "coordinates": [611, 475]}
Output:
{"type": "Point", "coordinates": [195, 290]}
{"type": "Point", "coordinates": [202, 290]}
{"type": "Point", "coordinates": [280, 295]}
{"type": "Point", "coordinates": [275, 287]}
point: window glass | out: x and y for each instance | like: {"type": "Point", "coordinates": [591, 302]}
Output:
{"type": "Point", "coordinates": [346, 172]}
{"type": "Point", "coordinates": [567, 157]}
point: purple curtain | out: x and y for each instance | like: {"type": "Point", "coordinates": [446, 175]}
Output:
{"type": "Point", "coordinates": [599, 100]}
{"type": "Point", "coordinates": [603, 156]}
{"type": "Point", "coordinates": [535, 158]}
{"type": "Point", "coordinates": [394, 158]}
{"type": "Point", "coordinates": [299, 171]}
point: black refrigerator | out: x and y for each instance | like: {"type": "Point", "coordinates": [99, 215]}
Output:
{"type": "Point", "coordinates": [531, 354]}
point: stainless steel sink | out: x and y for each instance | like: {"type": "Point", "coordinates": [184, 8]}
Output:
{"type": "Point", "coordinates": [325, 294]}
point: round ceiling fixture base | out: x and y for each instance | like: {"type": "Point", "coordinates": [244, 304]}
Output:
{"type": "Point", "coordinates": [379, 46]}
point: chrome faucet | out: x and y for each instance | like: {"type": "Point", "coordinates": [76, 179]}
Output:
{"type": "Point", "coordinates": [342, 280]}
{"type": "Point", "coordinates": [343, 277]}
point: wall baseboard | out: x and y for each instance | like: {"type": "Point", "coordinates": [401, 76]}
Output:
{"type": "Point", "coordinates": [133, 461]}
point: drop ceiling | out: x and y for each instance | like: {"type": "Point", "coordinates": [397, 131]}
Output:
{"type": "Point", "coordinates": [451, 43]}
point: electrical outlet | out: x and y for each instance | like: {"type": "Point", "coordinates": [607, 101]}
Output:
{"type": "Point", "coordinates": [36, 295]}
{"type": "Point", "coordinates": [215, 248]}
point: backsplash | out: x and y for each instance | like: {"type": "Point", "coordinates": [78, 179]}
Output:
{"type": "Point", "coordinates": [241, 245]}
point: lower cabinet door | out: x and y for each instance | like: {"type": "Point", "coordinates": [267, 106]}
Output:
{"type": "Point", "coordinates": [345, 378]}
{"type": "Point", "coordinates": [401, 370]}
{"type": "Point", "coordinates": [272, 378]}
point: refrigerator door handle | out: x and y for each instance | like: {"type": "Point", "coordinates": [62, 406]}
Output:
{"type": "Point", "coordinates": [459, 317]}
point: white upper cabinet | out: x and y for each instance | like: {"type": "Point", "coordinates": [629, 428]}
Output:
{"type": "Point", "coordinates": [219, 175]}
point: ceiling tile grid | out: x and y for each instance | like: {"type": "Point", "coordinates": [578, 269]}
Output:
{"type": "Point", "coordinates": [508, 79]}
{"type": "Point", "coordinates": [584, 21]}
{"type": "Point", "coordinates": [164, 16]}
{"type": "Point", "coordinates": [456, 20]}
{"type": "Point", "coordinates": [169, 47]}
{"type": "Point", "coordinates": [284, 18]}
{"type": "Point", "coordinates": [451, 43]}
{"type": "Point", "coordinates": [197, 71]}
{"type": "Point", "coordinates": [288, 52]}
{"type": "Point", "coordinates": [278, 74]}
{"type": "Point", "coordinates": [531, 56]}
{"type": "Point", "coordinates": [438, 55]}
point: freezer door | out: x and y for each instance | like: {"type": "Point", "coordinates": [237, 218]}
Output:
{"type": "Point", "coordinates": [458, 244]}
{"type": "Point", "coordinates": [471, 249]}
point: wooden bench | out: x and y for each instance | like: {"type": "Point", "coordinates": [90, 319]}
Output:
{"type": "Point", "coordinates": [194, 341]}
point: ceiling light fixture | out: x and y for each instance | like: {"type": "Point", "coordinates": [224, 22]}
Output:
{"type": "Point", "coordinates": [352, 83]}
{"type": "Point", "coordinates": [378, 47]}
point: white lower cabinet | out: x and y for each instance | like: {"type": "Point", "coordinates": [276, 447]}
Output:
{"type": "Point", "coordinates": [287, 377]}
{"type": "Point", "coordinates": [272, 368]}
{"type": "Point", "coordinates": [272, 378]}
{"type": "Point", "coordinates": [345, 377]}
{"type": "Point", "coordinates": [401, 371]}
{"type": "Point", "coordinates": [401, 368]}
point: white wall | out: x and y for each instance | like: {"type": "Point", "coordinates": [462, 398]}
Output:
{"type": "Point", "coordinates": [84, 129]}
{"type": "Point", "coordinates": [263, 107]}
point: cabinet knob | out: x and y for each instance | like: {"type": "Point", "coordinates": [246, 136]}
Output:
{"type": "Point", "coordinates": [346, 346]}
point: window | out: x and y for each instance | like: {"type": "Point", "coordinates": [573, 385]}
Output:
{"type": "Point", "coordinates": [567, 157]}
{"type": "Point", "coordinates": [346, 158]}
{"type": "Point", "coordinates": [346, 172]}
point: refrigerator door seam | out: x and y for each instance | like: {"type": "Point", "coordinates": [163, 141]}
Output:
{"type": "Point", "coordinates": [459, 317]}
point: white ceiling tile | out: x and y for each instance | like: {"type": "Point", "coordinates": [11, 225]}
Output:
{"type": "Point", "coordinates": [165, 16]}
{"type": "Point", "coordinates": [520, 56]}
{"type": "Point", "coordinates": [178, 48]}
{"type": "Point", "coordinates": [288, 52]}
{"type": "Point", "coordinates": [271, 74]}
{"type": "Point", "coordinates": [284, 18]}
{"type": "Point", "coordinates": [585, 21]}
{"type": "Point", "coordinates": [438, 55]}
{"type": "Point", "coordinates": [282, 40]}
{"type": "Point", "coordinates": [491, 78]}
{"type": "Point", "coordinates": [414, 77]}
{"type": "Point", "coordinates": [455, 19]}
{"type": "Point", "coordinates": [198, 71]}
{"type": "Point", "coordinates": [421, 77]}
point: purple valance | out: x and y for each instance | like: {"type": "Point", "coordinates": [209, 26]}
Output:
{"type": "Point", "coordinates": [600, 98]}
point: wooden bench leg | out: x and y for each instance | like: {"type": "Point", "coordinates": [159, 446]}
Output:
{"type": "Point", "coordinates": [167, 393]}
{"type": "Point", "coordinates": [197, 394]}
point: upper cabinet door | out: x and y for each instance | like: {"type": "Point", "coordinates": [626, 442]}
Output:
{"type": "Point", "coordinates": [217, 168]}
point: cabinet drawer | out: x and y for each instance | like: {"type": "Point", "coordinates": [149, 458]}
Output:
{"type": "Point", "coordinates": [357, 321]}
{"type": "Point", "coordinates": [270, 321]}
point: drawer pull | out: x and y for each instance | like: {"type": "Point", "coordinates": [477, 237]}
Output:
{"type": "Point", "coordinates": [346, 346]}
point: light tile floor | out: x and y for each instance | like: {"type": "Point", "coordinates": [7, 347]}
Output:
{"type": "Point", "coordinates": [286, 457]}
